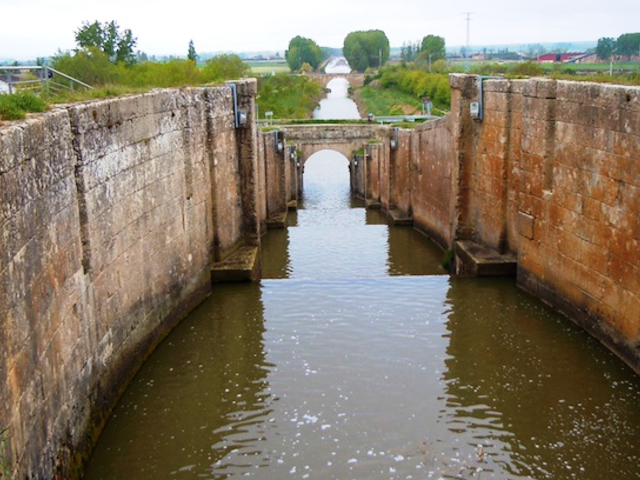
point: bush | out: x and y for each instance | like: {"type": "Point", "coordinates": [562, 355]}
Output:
{"type": "Point", "coordinates": [419, 83]}
{"type": "Point", "coordinates": [529, 69]}
{"type": "Point", "coordinates": [15, 106]}
{"type": "Point", "coordinates": [91, 66]}
{"type": "Point", "coordinates": [288, 96]}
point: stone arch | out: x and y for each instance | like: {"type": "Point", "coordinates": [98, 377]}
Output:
{"type": "Point", "coordinates": [355, 79]}
{"type": "Point", "coordinates": [345, 148]}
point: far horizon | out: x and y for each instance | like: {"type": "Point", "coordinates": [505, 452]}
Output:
{"type": "Point", "coordinates": [584, 44]}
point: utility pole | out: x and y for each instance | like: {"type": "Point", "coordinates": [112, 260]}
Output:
{"type": "Point", "coordinates": [468, 14]}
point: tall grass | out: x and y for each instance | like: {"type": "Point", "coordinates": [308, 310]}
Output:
{"type": "Point", "coordinates": [17, 105]}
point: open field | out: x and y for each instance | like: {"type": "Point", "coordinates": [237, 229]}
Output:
{"type": "Point", "coordinates": [260, 67]}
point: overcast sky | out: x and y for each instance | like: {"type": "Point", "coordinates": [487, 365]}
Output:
{"type": "Point", "coordinates": [39, 28]}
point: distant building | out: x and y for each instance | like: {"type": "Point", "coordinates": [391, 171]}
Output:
{"type": "Point", "coordinates": [566, 58]}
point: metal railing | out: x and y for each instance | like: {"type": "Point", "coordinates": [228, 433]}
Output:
{"type": "Point", "coordinates": [36, 79]}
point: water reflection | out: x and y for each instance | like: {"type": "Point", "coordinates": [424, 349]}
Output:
{"type": "Point", "coordinates": [337, 105]}
{"type": "Point", "coordinates": [334, 237]}
{"type": "Point", "coordinates": [545, 400]}
{"type": "Point", "coordinates": [200, 403]}
{"type": "Point", "coordinates": [350, 362]}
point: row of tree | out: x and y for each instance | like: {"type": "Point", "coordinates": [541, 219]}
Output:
{"type": "Point", "coordinates": [626, 45]}
{"type": "Point", "coordinates": [432, 48]}
{"type": "Point", "coordinates": [363, 50]}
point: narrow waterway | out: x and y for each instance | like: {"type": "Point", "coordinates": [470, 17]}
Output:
{"type": "Point", "coordinates": [356, 357]}
{"type": "Point", "coordinates": [337, 105]}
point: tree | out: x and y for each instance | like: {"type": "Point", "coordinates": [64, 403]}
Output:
{"type": "Point", "coordinates": [91, 65]}
{"type": "Point", "coordinates": [605, 48]}
{"type": "Point", "coordinates": [192, 55]}
{"type": "Point", "coordinates": [409, 51]}
{"type": "Point", "coordinates": [366, 49]}
{"type": "Point", "coordinates": [432, 48]}
{"type": "Point", "coordinates": [225, 67]}
{"type": "Point", "coordinates": [119, 47]}
{"type": "Point", "coordinates": [628, 44]}
{"type": "Point", "coordinates": [303, 50]}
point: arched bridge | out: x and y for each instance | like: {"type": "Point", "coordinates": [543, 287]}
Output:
{"type": "Point", "coordinates": [346, 139]}
{"type": "Point", "coordinates": [355, 79]}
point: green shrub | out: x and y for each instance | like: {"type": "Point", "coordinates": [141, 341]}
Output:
{"type": "Point", "coordinates": [529, 69]}
{"type": "Point", "coordinates": [15, 106]}
{"type": "Point", "coordinates": [29, 102]}
{"type": "Point", "coordinates": [288, 96]}
{"type": "Point", "coordinates": [418, 83]}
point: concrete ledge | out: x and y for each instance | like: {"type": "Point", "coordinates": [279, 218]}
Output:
{"type": "Point", "coordinates": [399, 218]}
{"type": "Point", "coordinates": [278, 221]}
{"type": "Point", "coordinates": [242, 266]}
{"type": "Point", "coordinates": [480, 261]}
{"type": "Point", "coordinates": [292, 205]}
{"type": "Point", "coordinates": [372, 204]}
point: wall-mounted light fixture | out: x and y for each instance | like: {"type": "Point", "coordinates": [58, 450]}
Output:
{"type": "Point", "coordinates": [279, 142]}
{"type": "Point", "coordinates": [476, 109]}
{"type": "Point", "coordinates": [241, 117]}
{"type": "Point", "coordinates": [394, 140]}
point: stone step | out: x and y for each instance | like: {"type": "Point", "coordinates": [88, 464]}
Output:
{"type": "Point", "coordinates": [399, 218]}
{"type": "Point", "coordinates": [241, 266]}
{"type": "Point", "coordinates": [278, 221]}
{"type": "Point", "coordinates": [481, 261]}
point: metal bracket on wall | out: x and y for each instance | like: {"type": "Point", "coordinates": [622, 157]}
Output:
{"type": "Point", "coordinates": [240, 116]}
{"type": "Point", "coordinates": [279, 142]}
{"type": "Point", "coordinates": [394, 140]}
{"type": "Point", "coordinates": [477, 108]}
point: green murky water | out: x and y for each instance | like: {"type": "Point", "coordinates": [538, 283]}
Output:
{"type": "Point", "coordinates": [356, 358]}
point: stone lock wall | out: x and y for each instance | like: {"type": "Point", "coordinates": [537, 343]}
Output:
{"type": "Point", "coordinates": [432, 186]}
{"type": "Point", "coordinates": [579, 208]}
{"type": "Point", "coordinates": [112, 212]}
{"type": "Point", "coordinates": [551, 174]}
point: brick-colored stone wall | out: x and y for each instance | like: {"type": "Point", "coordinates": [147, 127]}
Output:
{"type": "Point", "coordinates": [45, 303]}
{"type": "Point", "coordinates": [552, 174]}
{"type": "Point", "coordinates": [113, 210]}
{"type": "Point", "coordinates": [432, 170]}
{"type": "Point", "coordinates": [400, 168]}
{"type": "Point", "coordinates": [580, 207]}
{"type": "Point", "coordinates": [111, 214]}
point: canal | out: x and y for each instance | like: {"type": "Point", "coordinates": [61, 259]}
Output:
{"type": "Point", "coordinates": [357, 357]}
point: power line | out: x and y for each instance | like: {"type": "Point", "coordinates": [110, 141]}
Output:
{"type": "Point", "coordinates": [468, 14]}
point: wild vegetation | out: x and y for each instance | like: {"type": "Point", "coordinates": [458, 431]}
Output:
{"type": "Point", "coordinates": [15, 107]}
{"type": "Point", "coordinates": [288, 96]}
{"type": "Point", "coordinates": [94, 67]}
{"type": "Point", "coordinates": [105, 59]}
{"type": "Point", "coordinates": [416, 83]}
